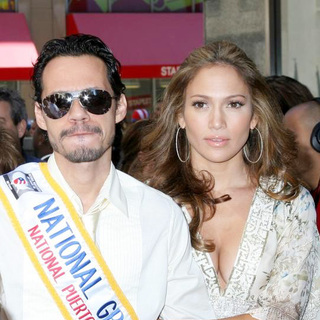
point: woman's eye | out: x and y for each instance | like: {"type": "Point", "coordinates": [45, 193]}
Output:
{"type": "Point", "coordinates": [235, 104]}
{"type": "Point", "coordinates": [199, 104]}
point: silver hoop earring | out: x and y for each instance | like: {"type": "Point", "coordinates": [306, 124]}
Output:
{"type": "Point", "coordinates": [245, 149]}
{"type": "Point", "coordinates": [177, 148]}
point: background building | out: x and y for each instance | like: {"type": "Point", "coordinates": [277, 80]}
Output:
{"type": "Point", "coordinates": [152, 37]}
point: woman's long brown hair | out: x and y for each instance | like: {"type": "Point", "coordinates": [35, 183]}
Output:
{"type": "Point", "coordinates": [179, 180]}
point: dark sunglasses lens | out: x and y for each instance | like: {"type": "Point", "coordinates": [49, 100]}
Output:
{"type": "Point", "coordinates": [57, 105]}
{"type": "Point", "coordinates": [96, 101]}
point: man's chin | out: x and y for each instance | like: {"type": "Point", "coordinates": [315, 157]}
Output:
{"type": "Point", "coordinates": [84, 155]}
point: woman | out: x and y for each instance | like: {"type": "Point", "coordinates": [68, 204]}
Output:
{"type": "Point", "coordinates": [222, 153]}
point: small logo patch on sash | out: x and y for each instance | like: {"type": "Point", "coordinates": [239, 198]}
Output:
{"type": "Point", "coordinates": [19, 183]}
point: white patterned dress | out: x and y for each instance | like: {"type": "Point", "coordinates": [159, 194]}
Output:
{"type": "Point", "coordinates": [276, 272]}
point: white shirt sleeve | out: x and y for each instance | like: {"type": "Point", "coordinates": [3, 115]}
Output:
{"type": "Point", "coordinates": [187, 296]}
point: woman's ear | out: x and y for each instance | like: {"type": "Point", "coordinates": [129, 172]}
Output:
{"type": "Point", "coordinates": [253, 122]}
{"type": "Point", "coordinates": [181, 121]}
{"type": "Point", "coordinates": [39, 116]}
{"type": "Point", "coordinates": [121, 109]}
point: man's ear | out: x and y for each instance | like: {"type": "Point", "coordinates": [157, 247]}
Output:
{"type": "Point", "coordinates": [39, 116]}
{"type": "Point", "coordinates": [121, 109]}
{"type": "Point", "coordinates": [22, 127]}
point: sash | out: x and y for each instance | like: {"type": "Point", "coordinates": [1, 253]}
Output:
{"type": "Point", "coordinates": [63, 253]}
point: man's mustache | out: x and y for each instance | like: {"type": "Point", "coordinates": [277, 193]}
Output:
{"type": "Point", "coordinates": [82, 128]}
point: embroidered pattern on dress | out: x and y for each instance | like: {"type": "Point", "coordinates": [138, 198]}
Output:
{"type": "Point", "coordinates": [247, 261]}
{"type": "Point", "coordinates": [286, 283]}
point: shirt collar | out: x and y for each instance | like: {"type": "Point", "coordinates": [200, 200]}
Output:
{"type": "Point", "coordinates": [111, 189]}
{"type": "Point", "coordinates": [114, 192]}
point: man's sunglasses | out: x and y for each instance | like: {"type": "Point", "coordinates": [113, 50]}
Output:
{"type": "Point", "coordinates": [94, 101]}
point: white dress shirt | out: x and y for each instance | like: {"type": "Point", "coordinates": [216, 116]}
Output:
{"type": "Point", "coordinates": [144, 239]}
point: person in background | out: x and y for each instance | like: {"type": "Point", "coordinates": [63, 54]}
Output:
{"type": "Point", "coordinates": [13, 116]}
{"type": "Point", "coordinates": [78, 238]}
{"type": "Point", "coordinates": [288, 91]}
{"type": "Point", "coordinates": [10, 155]}
{"type": "Point", "coordinates": [116, 146]}
{"type": "Point", "coordinates": [223, 154]}
{"type": "Point", "coordinates": [33, 127]}
{"type": "Point", "coordinates": [132, 155]}
{"type": "Point", "coordinates": [157, 109]}
{"type": "Point", "coordinates": [41, 144]}
{"type": "Point", "coordinates": [304, 121]}
{"type": "Point", "coordinates": [139, 114]}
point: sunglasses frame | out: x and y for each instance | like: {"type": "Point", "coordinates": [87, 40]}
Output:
{"type": "Point", "coordinates": [69, 97]}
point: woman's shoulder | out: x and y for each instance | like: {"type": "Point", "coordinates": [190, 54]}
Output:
{"type": "Point", "coordinates": [298, 208]}
{"type": "Point", "coordinates": [299, 212]}
{"type": "Point", "coordinates": [277, 186]}
{"type": "Point", "coordinates": [304, 203]}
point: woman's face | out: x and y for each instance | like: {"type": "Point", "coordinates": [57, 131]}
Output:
{"type": "Point", "coordinates": [217, 115]}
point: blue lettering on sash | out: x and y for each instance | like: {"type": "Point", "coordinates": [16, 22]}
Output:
{"type": "Point", "coordinates": [109, 310]}
{"type": "Point", "coordinates": [85, 275]}
{"type": "Point", "coordinates": [59, 244]}
{"type": "Point", "coordinates": [52, 222]}
{"type": "Point", "coordinates": [69, 250]}
{"type": "Point", "coordinates": [76, 267]}
{"type": "Point", "coordinates": [47, 205]}
{"type": "Point", "coordinates": [90, 285]}
{"type": "Point", "coordinates": [71, 253]}
{"type": "Point", "coordinates": [61, 231]}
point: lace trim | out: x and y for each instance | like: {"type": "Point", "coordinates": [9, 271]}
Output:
{"type": "Point", "coordinates": [249, 255]}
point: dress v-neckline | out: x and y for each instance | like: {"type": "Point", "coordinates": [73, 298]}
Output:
{"type": "Point", "coordinates": [249, 252]}
{"type": "Point", "coordinates": [222, 291]}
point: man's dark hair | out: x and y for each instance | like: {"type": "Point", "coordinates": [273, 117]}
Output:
{"type": "Point", "coordinates": [316, 99]}
{"type": "Point", "coordinates": [18, 109]}
{"type": "Point", "coordinates": [75, 46]}
{"type": "Point", "coordinates": [288, 91]}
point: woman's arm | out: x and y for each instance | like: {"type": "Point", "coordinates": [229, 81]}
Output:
{"type": "Point", "coordinates": [295, 273]}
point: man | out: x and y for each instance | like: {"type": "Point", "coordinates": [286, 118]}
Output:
{"type": "Point", "coordinates": [13, 116]}
{"type": "Point", "coordinates": [304, 121]}
{"type": "Point", "coordinates": [288, 91]}
{"type": "Point", "coordinates": [79, 239]}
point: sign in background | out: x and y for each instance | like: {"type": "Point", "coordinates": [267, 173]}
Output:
{"type": "Point", "coordinates": [150, 46]}
{"type": "Point", "coordinates": [135, 6]}
{"type": "Point", "coordinates": [7, 5]}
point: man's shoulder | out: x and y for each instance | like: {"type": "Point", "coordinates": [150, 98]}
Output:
{"type": "Point", "coordinates": [129, 182]}
{"type": "Point", "coordinates": [151, 205]}
{"type": "Point", "coordinates": [139, 189]}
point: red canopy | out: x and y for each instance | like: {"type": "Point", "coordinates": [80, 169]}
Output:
{"type": "Point", "coordinates": [147, 45]}
{"type": "Point", "coordinates": [17, 50]}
